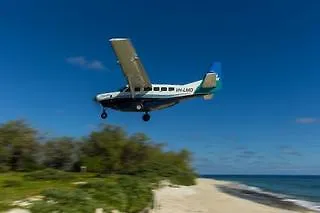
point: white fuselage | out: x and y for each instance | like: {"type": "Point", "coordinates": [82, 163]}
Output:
{"type": "Point", "coordinates": [158, 96]}
{"type": "Point", "coordinates": [157, 91]}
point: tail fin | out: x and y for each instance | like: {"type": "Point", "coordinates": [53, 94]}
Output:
{"type": "Point", "coordinates": [216, 69]}
{"type": "Point", "coordinates": [211, 81]}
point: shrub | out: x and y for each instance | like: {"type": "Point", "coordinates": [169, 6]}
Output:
{"type": "Point", "coordinates": [48, 174]}
{"type": "Point", "coordinates": [183, 179]}
{"type": "Point", "coordinates": [66, 196]}
{"type": "Point", "coordinates": [108, 192]}
{"type": "Point", "coordinates": [125, 193]}
{"type": "Point", "coordinates": [4, 168]}
{"type": "Point", "coordinates": [75, 201]}
{"type": "Point", "coordinates": [12, 183]}
{"type": "Point", "coordinates": [138, 191]}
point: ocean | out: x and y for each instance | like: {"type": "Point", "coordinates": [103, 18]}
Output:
{"type": "Point", "coordinates": [303, 191]}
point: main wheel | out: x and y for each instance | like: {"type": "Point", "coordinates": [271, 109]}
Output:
{"type": "Point", "coordinates": [139, 107]}
{"type": "Point", "coordinates": [104, 115]}
{"type": "Point", "coordinates": [146, 117]}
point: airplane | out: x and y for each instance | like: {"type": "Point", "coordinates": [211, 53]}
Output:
{"type": "Point", "coordinates": [140, 95]}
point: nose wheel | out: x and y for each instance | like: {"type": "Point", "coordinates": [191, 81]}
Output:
{"type": "Point", "coordinates": [104, 114]}
{"type": "Point", "coordinates": [146, 117]}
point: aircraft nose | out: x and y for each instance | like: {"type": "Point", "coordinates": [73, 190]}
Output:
{"type": "Point", "coordinates": [95, 98]}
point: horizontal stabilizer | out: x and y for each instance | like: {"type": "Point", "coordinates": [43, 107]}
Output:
{"type": "Point", "coordinates": [208, 97]}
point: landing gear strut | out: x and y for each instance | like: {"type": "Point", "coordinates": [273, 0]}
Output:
{"type": "Point", "coordinates": [146, 117]}
{"type": "Point", "coordinates": [104, 114]}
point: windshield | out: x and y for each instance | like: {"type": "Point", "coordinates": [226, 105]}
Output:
{"type": "Point", "coordinates": [122, 89]}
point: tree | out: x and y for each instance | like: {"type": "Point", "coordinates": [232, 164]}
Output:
{"type": "Point", "coordinates": [4, 158]}
{"type": "Point", "coordinates": [102, 149]}
{"type": "Point", "coordinates": [107, 150]}
{"type": "Point", "coordinates": [18, 146]}
{"type": "Point", "coordinates": [59, 153]}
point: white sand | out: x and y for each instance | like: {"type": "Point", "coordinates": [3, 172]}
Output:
{"type": "Point", "coordinates": [205, 197]}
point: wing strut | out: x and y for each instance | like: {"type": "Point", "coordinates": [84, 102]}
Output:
{"type": "Point", "coordinates": [131, 86]}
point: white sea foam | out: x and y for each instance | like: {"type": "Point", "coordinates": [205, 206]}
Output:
{"type": "Point", "coordinates": [302, 203]}
{"type": "Point", "coordinates": [257, 190]}
{"type": "Point", "coordinates": [307, 204]}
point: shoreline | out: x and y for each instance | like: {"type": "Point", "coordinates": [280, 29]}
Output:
{"type": "Point", "coordinates": [262, 197]}
{"type": "Point", "coordinates": [216, 196]}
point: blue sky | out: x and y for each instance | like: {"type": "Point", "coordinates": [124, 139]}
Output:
{"type": "Point", "coordinates": [55, 57]}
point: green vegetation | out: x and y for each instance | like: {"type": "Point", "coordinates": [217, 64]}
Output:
{"type": "Point", "coordinates": [121, 169]}
{"type": "Point", "coordinates": [68, 202]}
{"type": "Point", "coordinates": [48, 174]}
{"type": "Point", "coordinates": [11, 183]}
{"type": "Point", "coordinates": [29, 188]}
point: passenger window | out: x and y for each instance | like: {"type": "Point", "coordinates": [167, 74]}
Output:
{"type": "Point", "coordinates": [171, 88]}
{"type": "Point", "coordinates": [147, 89]}
{"type": "Point", "coordinates": [163, 88]}
{"type": "Point", "coordinates": [137, 89]}
{"type": "Point", "coordinates": [156, 88]}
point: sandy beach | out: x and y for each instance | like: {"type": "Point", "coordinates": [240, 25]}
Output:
{"type": "Point", "coordinates": [205, 197]}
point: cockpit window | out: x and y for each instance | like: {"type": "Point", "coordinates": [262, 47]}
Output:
{"type": "Point", "coordinates": [124, 89]}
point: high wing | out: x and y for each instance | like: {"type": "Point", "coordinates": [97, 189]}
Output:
{"type": "Point", "coordinates": [130, 63]}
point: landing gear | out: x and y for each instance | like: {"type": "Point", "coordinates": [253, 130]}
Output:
{"type": "Point", "coordinates": [146, 117]}
{"type": "Point", "coordinates": [104, 114]}
{"type": "Point", "coordinates": [139, 107]}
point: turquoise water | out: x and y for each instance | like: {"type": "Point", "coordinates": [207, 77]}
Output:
{"type": "Point", "coordinates": [303, 190]}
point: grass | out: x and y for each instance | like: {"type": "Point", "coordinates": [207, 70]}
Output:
{"type": "Point", "coordinates": [28, 188]}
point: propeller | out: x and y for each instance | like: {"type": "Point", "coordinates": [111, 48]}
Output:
{"type": "Point", "coordinates": [94, 99]}
{"type": "Point", "coordinates": [96, 103]}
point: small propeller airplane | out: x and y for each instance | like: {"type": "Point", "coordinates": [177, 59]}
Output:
{"type": "Point", "coordinates": [140, 95]}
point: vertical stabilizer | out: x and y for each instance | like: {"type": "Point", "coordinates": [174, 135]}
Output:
{"type": "Point", "coordinates": [216, 69]}
{"type": "Point", "coordinates": [211, 81]}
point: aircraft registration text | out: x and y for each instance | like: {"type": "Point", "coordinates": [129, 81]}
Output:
{"type": "Point", "coordinates": [184, 89]}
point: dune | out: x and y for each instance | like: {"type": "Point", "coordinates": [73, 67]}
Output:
{"type": "Point", "coordinates": [206, 198]}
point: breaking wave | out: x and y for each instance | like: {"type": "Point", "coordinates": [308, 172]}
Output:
{"type": "Point", "coordinates": [273, 199]}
